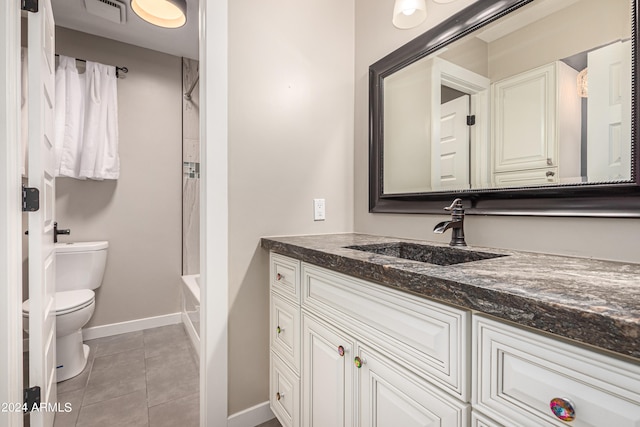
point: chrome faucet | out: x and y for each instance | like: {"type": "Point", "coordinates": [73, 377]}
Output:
{"type": "Point", "coordinates": [456, 224]}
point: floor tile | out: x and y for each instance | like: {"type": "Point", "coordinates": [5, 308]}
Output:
{"type": "Point", "coordinates": [182, 412]}
{"type": "Point", "coordinates": [129, 410]}
{"type": "Point", "coordinates": [119, 343]}
{"type": "Point", "coordinates": [171, 376]}
{"type": "Point", "coordinates": [115, 375]}
{"type": "Point", "coordinates": [165, 339]}
{"type": "Point", "coordinates": [79, 382]}
{"type": "Point", "coordinates": [74, 400]}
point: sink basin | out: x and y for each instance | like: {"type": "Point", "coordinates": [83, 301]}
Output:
{"type": "Point", "coordinates": [425, 253]}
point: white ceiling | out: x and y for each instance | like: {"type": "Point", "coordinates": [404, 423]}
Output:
{"type": "Point", "coordinates": [179, 41]}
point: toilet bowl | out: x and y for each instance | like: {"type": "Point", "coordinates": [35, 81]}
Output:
{"type": "Point", "coordinates": [79, 270]}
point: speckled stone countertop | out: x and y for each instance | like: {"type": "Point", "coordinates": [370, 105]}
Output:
{"type": "Point", "coordinates": [595, 302]}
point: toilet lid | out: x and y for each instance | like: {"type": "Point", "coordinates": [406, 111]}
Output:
{"type": "Point", "coordinates": [68, 301]}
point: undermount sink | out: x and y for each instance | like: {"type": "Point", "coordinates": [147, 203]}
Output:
{"type": "Point", "coordinates": [425, 253]}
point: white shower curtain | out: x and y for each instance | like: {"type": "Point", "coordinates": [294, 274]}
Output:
{"type": "Point", "coordinates": [86, 121]}
{"type": "Point", "coordinates": [69, 112]}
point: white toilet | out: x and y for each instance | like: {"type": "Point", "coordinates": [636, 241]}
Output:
{"type": "Point", "coordinates": [79, 270]}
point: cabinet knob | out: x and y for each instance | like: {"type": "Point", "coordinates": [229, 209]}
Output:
{"type": "Point", "coordinates": [279, 396]}
{"type": "Point", "coordinates": [549, 161]}
{"type": "Point", "coordinates": [279, 329]}
{"type": "Point", "coordinates": [563, 409]}
{"type": "Point", "coordinates": [359, 362]}
{"type": "Point", "coordinates": [279, 276]}
{"type": "Point", "coordinates": [341, 351]}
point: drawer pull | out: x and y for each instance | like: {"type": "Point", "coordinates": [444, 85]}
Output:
{"type": "Point", "coordinates": [279, 329]}
{"type": "Point", "coordinates": [341, 351]}
{"type": "Point", "coordinates": [279, 396]}
{"type": "Point", "coordinates": [550, 174]}
{"type": "Point", "coordinates": [563, 409]}
{"type": "Point", "coordinates": [359, 362]}
{"type": "Point", "coordinates": [279, 277]}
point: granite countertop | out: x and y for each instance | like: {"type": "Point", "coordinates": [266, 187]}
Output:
{"type": "Point", "coordinates": [591, 301]}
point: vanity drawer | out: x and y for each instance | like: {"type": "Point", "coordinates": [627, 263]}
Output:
{"type": "Point", "coordinates": [430, 338]}
{"type": "Point", "coordinates": [285, 276]}
{"type": "Point", "coordinates": [518, 373]}
{"type": "Point", "coordinates": [285, 330]}
{"type": "Point", "coordinates": [526, 177]}
{"type": "Point", "coordinates": [284, 397]}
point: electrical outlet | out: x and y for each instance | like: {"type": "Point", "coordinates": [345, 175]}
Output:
{"type": "Point", "coordinates": [318, 210]}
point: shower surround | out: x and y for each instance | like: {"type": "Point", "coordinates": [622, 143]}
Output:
{"type": "Point", "coordinates": [191, 170]}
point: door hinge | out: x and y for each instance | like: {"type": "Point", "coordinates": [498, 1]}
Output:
{"type": "Point", "coordinates": [30, 199]}
{"type": "Point", "coordinates": [471, 120]}
{"type": "Point", "coordinates": [31, 398]}
{"type": "Point", "coordinates": [30, 5]}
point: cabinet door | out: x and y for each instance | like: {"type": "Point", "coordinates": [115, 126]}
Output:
{"type": "Point", "coordinates": [284, 396]}
{"type": "Point", "coordinates": [524, 114]}
{"type": "Point", "coordinates": [391, 396]}
{"type": "Point", "coordinates": [327, 375]}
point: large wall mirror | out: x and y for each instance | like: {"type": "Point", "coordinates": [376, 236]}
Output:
{"type": "Point", "coordinates": [515, 106]}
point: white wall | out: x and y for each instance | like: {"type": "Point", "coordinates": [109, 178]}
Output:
{"type": "Point", "coordinates": [613, 239]}
{"type": "Point", "coordinates": [290, 141]}
{"type": "Point", "coordinates": [140, 213]}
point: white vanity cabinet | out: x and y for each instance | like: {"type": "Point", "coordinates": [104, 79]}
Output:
{"type": "Point", "coordinates": [346, 352]}
{"type": "Point", "coordinates": [284, 338]}
{"type": "Point", "coordinates": [369, 356]}
{"type": "Point", "coordinates": [520, 375]}
{"type": "Point", "coordinates": [536, 127]}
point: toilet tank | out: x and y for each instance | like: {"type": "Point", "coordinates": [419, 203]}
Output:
{"type": "Point", "coordinates": [80, 265]}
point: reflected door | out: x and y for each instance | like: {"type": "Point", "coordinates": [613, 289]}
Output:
{"type": "Point", "coordinates": [609, 113]}
{"type": "Point", "coordinates": [451, 155]}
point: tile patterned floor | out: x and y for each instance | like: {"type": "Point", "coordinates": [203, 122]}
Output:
{"type": "Point", "coordinates": [147, 378]}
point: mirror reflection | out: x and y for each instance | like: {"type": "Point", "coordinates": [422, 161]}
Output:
{"type": "Point", "coordinates": [539, 97]}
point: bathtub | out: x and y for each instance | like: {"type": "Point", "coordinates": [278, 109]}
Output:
{"type": "Point", "coordinates": [191, 308]}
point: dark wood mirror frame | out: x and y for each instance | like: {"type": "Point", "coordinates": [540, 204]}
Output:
{"type": "Point", "coordinates": [587, 200]}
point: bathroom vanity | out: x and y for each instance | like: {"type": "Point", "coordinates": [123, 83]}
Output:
{"type": "Point", "coordinates": [364, 332]}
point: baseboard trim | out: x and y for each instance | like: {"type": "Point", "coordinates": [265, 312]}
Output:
{"type": "Point", "coordinates": [251, 417]}
{"type": "Point", "coordinates": [130, 326]}
{"type": "Point", "coordinates": [191, 332]}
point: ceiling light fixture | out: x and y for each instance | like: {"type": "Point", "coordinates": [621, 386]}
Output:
{"type": "Point", "coordinates": [409, 13]}
{"type": "Point", "coordinates": [163, 13]}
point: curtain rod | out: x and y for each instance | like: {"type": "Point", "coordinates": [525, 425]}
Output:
{"type": "Point", "coordinates": [118, 69]}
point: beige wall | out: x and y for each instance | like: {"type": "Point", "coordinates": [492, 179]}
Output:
{"type": "Point", "coordinates": [580, 27]}
{"type": "Point", "coordinates": [140, 213]}
{"type": "Point", "coordinates": [614, 239]}
{"type": "Point", "coordinates": [290, 141]}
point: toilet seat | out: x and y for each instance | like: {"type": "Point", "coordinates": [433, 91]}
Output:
{"type": "Point", "coordinates": [67, 301]}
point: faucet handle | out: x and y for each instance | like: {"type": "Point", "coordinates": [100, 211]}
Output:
{"type": "Point", "coordinates": [457, 204]}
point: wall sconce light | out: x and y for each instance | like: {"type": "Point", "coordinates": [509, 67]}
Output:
{"type": "Point", "coordinates": [163, 13]}
{"type": "Point", "coordinates": [409, 13]}
{"type": "Point", "coordinates": [583, 83]}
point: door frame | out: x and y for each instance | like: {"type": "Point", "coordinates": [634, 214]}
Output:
{"type": "Point", "coordinates": [477, 87]}
{"type": "Point", "coordinates": [11, 212]}
{"type": "Point", "coordinates": [214, 211]}
{"type": "Point", "coordinates": [214, 247]}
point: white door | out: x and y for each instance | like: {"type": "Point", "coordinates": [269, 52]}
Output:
{"type": "Point", "coordinates": [10, 215]}
{"type": "Point", "coordinates": [327, 376]}
{"type": "Point", "coordinates": [523, 115]}
{"type": "Point", "coordinates": [42, 326]}
{"type": "Point", "coordinates": [609, 113]}
{"type": "Point", "coordinates": [392, 396]}
{"type": "Point", "coordinates": [451, 158]}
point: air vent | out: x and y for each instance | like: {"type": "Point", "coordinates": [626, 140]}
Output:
{"type": "Point", "coordinates": [112, 10]}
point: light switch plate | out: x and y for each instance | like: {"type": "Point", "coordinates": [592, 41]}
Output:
{"type": "Point", "coordinates": [318, 210]}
